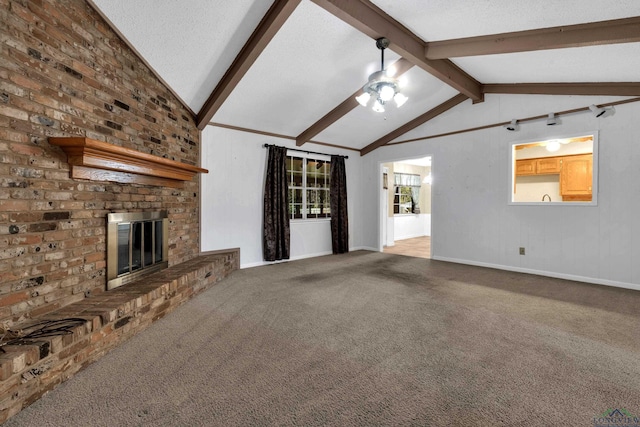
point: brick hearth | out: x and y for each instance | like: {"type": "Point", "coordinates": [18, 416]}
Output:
{"type": "Point", "coordinates": [32, 368]}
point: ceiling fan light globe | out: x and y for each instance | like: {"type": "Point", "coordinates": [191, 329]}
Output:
{"type": "Point", "coordinates": [363, 99]}
{"type": "Point", "coordinates": [391, 71]}
{"type": "Point", "coordinates": [400, 99]}
{"type": "Point", "coordinates": [386, 93]}
{"type": "Point", "coordinates": [378, 107]}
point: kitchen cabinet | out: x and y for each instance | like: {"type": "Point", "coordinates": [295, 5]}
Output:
{"type": "Point", "coordinates": [539, 166]}
{"type": "Point", "coordinates": [525, 167]}
{"type": "Point", "coordinates": [576, 177]}
{"type": "Point", "coordinates": [548, 165]}
{"type": "Point", "coordinates": [573, 172]}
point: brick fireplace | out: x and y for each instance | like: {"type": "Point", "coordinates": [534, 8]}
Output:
{"type": "Point", "coordinates": [66, 74]}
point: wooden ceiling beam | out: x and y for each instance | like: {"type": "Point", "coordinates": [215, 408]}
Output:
{"type": "Point", "coordinates": [278, 135]}
{"type": "Point", "coordinates": [434, 112]}
{"type": "Point", "coordinates": [625, 30]}
{"type": "Point", "coordinates": [401, 66]}
{"type": "Point", "coordinates": [375, 23]}
{"type": "Point", "coordinates": [268, 27]}
{"type": "Point", "coordinates": [596, 89]}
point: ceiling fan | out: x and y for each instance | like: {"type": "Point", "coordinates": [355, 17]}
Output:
{"type": "Point", "coordinates": [382, 86]}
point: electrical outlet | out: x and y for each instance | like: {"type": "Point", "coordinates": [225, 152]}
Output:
{"type": "Point", "coordinates": [521, 251]}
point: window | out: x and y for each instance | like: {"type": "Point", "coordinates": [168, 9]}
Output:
{"type": "Point", "coordinates": [407, 193]}
{"type": "Point", "coordinates": [556, 171]}
{"type": "Point", "coordinates": [402, 200]}
{"type": "Point", "coordinates": [309, 185]}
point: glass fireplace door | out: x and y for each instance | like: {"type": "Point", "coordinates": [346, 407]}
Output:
{"type": "Point", "coordinates": [136, 243]}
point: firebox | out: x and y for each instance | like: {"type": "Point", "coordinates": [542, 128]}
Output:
{"type": "Point", "coordinates": [137, 244]}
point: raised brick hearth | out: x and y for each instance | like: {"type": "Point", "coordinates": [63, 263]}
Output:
{"type": "Point", "coordinates": [32, 368]}
{"type": "Point", "coordinates": [65, 74]}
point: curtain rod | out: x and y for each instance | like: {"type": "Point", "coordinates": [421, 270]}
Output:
{"type": "Point", "coordinates": [304, 151]}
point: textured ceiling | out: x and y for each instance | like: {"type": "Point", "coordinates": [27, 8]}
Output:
{"type": "Point", "coordinates": [316, 61]}
{"type": "Point", "coordinates": [285, 91]}
{"type": "Point", "coordinates": [189, 44]}
{"type": "Point", "coordinates": [580, 64]}
{"type": "Point", "coordinates": [434, 20]}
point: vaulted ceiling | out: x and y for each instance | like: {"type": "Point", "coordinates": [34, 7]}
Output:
{"type": "Point", "coordinates": [292, 68]}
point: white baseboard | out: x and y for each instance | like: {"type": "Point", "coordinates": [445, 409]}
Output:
{"type": "Point", "coordinates": [593, 280]}
{"type": "Point", "coordinates": [295, 258]}
{"type": "Point", "coordinates": [363, 248]}
{"type": "Point", "coordinates": [258, 264]}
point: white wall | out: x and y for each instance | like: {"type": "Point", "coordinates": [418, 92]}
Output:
{"type": "Point", "coordinates": [532, 188]}
{"type": "Point", "coordinates": [471, 218]}
{"type": "Point", "coordinates": [409, 226]}
{"type": "Point", "coordinates": [232, 197]}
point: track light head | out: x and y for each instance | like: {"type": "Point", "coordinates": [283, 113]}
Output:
{"type": "Point", "coordinates": [597, 111]}
{"type": "Point", "coordinates": [513, 126]}
{"type": "Point", "coordinates": [601, 112]}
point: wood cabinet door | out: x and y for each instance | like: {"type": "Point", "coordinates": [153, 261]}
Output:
{"type": "Point", "coordinates": [548, 165]}
{"type": "Point", "coordinates": [526, 167]}
{"type": "Point", "coordinates": [576, 175]}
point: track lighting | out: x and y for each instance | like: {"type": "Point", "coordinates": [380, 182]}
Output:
{"type": "Point", "coordinates": [382, 86]}
{"type": "Point", "coordinates": [513, 126]}
{"type": "Point", "coordinates": [597, 111]}
{"type": "Point", "coordinates": [601, 112]}
{"type": "Point", "coordinates": [552, 120]}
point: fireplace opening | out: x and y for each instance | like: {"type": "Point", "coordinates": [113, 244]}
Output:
{"type": "Point", "coordinates": [137, 244]}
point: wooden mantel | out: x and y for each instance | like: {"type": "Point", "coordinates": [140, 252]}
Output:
{"type": "Point", "coordinates": [101, 161]}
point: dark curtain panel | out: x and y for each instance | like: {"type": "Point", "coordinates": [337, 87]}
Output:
{"type": "Point", "coordinates": [339, 218]}
{"type": "Point", "coordinates": [276, 214]}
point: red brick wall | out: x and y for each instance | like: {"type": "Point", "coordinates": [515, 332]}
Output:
{"type": "Point", "coordinates": [64, 72]}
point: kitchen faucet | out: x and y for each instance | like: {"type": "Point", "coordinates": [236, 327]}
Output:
{"type": "Point", "coordinates": [546, 195]}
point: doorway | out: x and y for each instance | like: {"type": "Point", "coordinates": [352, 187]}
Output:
{"type": "Point", "coordinates": [405, 207]}
{"type": "Point", "coordinates": [419, 247]}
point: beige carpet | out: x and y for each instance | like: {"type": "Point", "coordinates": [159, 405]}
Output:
{"type": "Point", "coordinates": [368, 339]}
